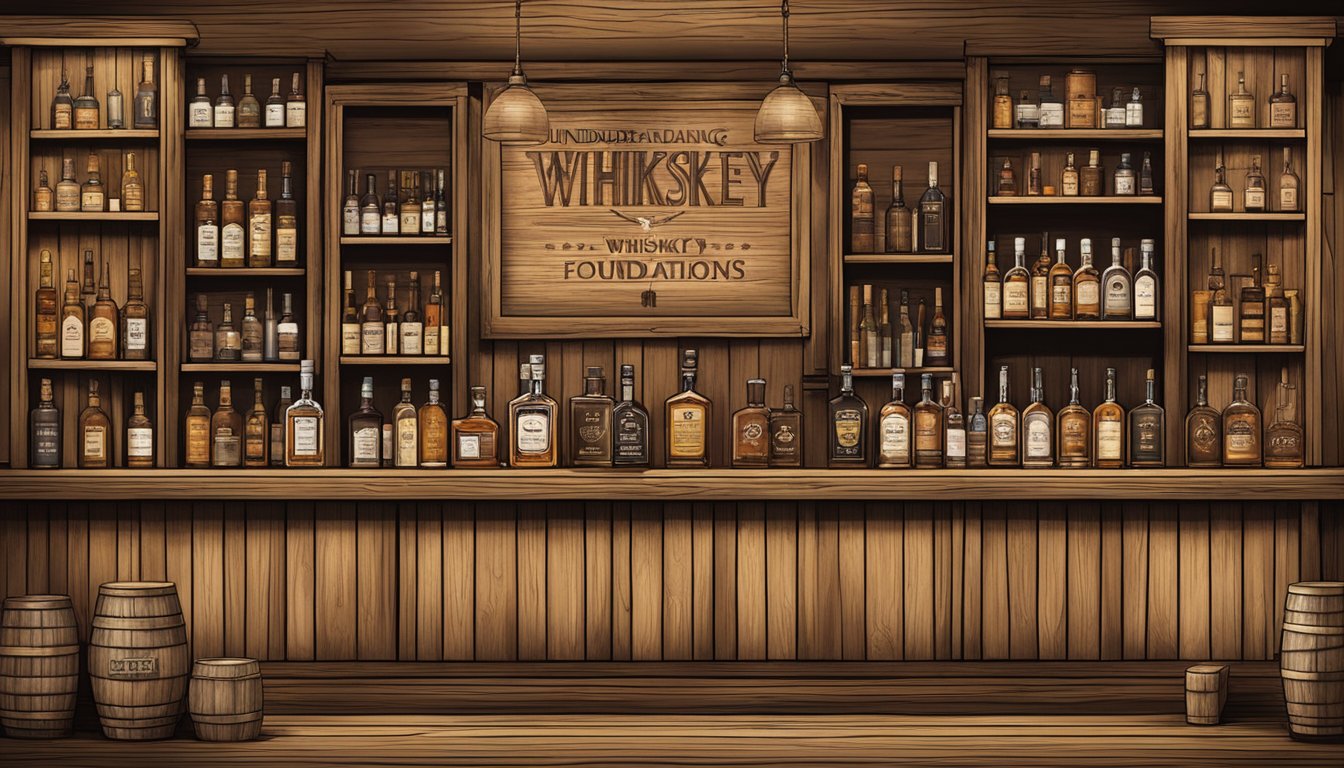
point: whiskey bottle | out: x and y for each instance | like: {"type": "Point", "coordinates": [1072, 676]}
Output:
{"type": "Point", "coordinates": [1040, 281]}
{"type": "Point", "coordinates": [207, 225]}
{"type": "Point", "coordinates": [1147, 429]}
{"type": "Point", "coordinates": [63, 106]}
{"type": "Point", "coordinates": [257, 430]}
{"type": "Point", "coordinates": [928, 428]}
{"type": "Point", "coordinates": [1007, 186]}
{"type": "Point", "coordinates": [1203, 431]}
{"type": "Point", "coordinates": [1115, 113]}
{"type": "Point", "coordinates": [405, 428]}
{"type": "Point", "coordinates": [224, 110]}
{"type": "Point", "coordinates": [936, 354]}
{"type": "Point", "coordinates": [391, 220]}
{"type": "Point", "coordinates": [1108, 427]}
{"type": "Point", "coordinates": [67, 189]}
{"type": "Point", "coordinates": [1074, 429]}
{"type": "Point", "coordinates": [95, 431]}
{"type": "Point", "coordinates": [630, 425]}
{"type": "Point", "coordinates": [1038, 442]}
{"type": "Point", "coordinates": [1241, 106]}
{"type": "Point", "coordinates": [392, 320]}
{"type": "Point", "coordinates": [135, 319]}
{"type": "Point", "coordinates": [277, 428]}
{"type": "Point", "coordinates": [372, 331]}
{"type": "Point", "coordinates": [296, 109]}
{"type": "Point", "coordinates": [1068, 179]}
{"type": "Point", "coordinates": [786, 433]}
{"type": "Point", "coordinates": [1004, 433]}
{"type": "Point", "coordinates": [116, 106]}
{"type": "Point", "coordinates": [1118, 292]}
{"type": "Point", "coordinates": [861, 214]}
{"type": "Point", "coordinates": [252, 334]}
{"type": "Point", "coordinates": [270, 330]}
{"type": "Point", "coordinates": [1222, 320]}
{"type": "Point", "coordinates": [1003, 104]}
{"type": "Point", "coordinates": [259, 226]}
{"type": "Point", "coordinates": [1086, 286]}
{"type": "Point", "coordinates": [1146, 175]}
{"type": "Point", "coordinates": [410, 203]}
{"type": "Point", "coordinates": [146, 97]}
{"type": "Point", "coordinates": [533, 418]}
{"type": "Point", "coordinates": [350, 209]}
{"type": "Point", "coordinates": [427, 210]}
{"type": "Point", "coordinates": [366, 430]}
{"type": "Point", "coordinates": [226, 431]}
{"type": "Point", "coordinates": [1090, 176]}
{"type": "Point", "coordinates": [304, 424]}
{"type": "Point", "coordinates": [1277, 311]}
{"type": "Point", "coordinates": [286, 220]}
{"type": "Point", "coordinates": [1126, 183]}
{"type": "Point", "coordinates": [869, 339]}
{"type": "Point", "coordinates": [920, 339]}
{"type": "Point", "coordinates": [92, 193]}
{"type": "Point", "coordinates": [1061, 285]}
{"type": "Point", "coordinates": [1199, 105]}
{"type": "Point", "coordinates": [233, 239]}
{"type": "Point", "coordinates": [86, 105]}
{"type": "Point", "coordinates": [103, 320]}
{"type": "Point", "coordinates": [1051, 110]}
{"type": "Point", "coordinates": [350, 329]}
{"type": "Point", "coordinates": [1251, 322]}
{"type": "Point", "coordinates": [1134, 109]}
{"type": "Point", "coordinates": [751, 429]}
{"type": "Point", "coordinates": [1284, 436]}
{"type": "Point", "coordinates": [89, 289]}
{"type": "Point", "coordinates": [954, 427]}
{"type": "Point", "coordinates": [590, 419]}
{"type": "Point", "coordinates": [228, 341]}
{"type": "Point", "coordinates": [977, 434]}
{"type": "Point", "coordinates": [906, 356]}
{"type": "Point", "coordinates": [1241, 429]}
{"type": "Point", "coordinates": [433, 426]}
{"type": "Point", "coordinates": [44, 430]}
{"type": "Point", "coordinates": [196, 430]}
{"type": "Point", "coordinates": [475, 436]}
{"type": "Point", "coordinates": [993, 285]}
{"type": "Point", "coordinates": [412, 326]}
{"type": "Point", "coordinates": [44, 197]}
{"type": "Point", "coordinates": [1220, 195]}
{"type": "Point", "coordinates": [687, 415]}
{"type": "Point", "coordinates": [1288, 184]}
{"type": "Point", "coordinates": [200, 114]}
{"type": "Point", "coordinates": [855, 316]}
{"type": "Point", "coordinates": [370, 211]}
{"type": "Point", "coordinates": [201, 334]}
{"type": "Point", "coordinates": [248, 113]}
{"type": "Point", "coordinates": [1017, 285]}
{"type": "Point", "coordinates": [436, 337]}
{"type": "Point", "coordinates": [1034, 182]}
{"type": "Point", "coordinates": [884, 329]}
{"type": "Point", "coordinates": [933, 220]}
{"type": "Point", "coordinates": [440, 207]}
{"type": "Point", "coordinates": [1254, 194]}
{"type": "Point", "coordinates": [1146, 292]}
{"type": "Point", "coordinates": [899, 224]}
{"type": "Point", "coordinates": [1027, 113]}
{"type": "Point", "coordinates": [849, 425]}
{"type": "Point", "coordinates": [47, 312]}
{"type": "Point", "coordinates": [1282, 110]}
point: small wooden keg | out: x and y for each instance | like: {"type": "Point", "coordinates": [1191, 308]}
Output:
{"type": "Point", "coordinates": [1205, 693]}
{"type": "Point", "coordinates": [39, 666]}
{"type": "Point", "coordinates": [1311, 660]}
{"type": "Point", "coordinates": [138, 659]}
{"type": "Point", "coordinates": [226, 699]}
{"type": "Point", "coordinates": [1080, 84]}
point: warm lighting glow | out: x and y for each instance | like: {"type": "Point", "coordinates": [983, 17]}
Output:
{"type": "Point", "coordinates": [516, 115]}
{"type": "Point", "coordinates": [787, 115]}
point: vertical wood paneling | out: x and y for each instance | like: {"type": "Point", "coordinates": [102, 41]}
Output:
{"type": "Point", "coordinates": [1194, 581]}
{"type": "Point", "coordinates": [429, 582]}
{"type": "Point", "coordinates": [235, 579]}
{"type": "Point", "coordinates": [300, 582]}
{"type": "Point", "coordinates": [207, 544]}
{"type": "Point", "coordinates": [1021, 563]}
{"type": "Point", "coordinates": [77, 550]}
{"type": "Point", "coordinates": [153, 551]}
{"type": "Point", "coordinates": [597, 581]}
{"type": "Point", "coordinates": [1134, 533]}
{"type": "Point", "coordinates": [1286, 561]}
{"type": "Point", "coordinates": [751, 595]}
{"type": "Point", "coordinates": [884, 561]}
{"type": "Point", "coordinates": [334, 535]}
{"type": "Point", "coordinates": [1163, 581]}
{"type": "Point", "coordinates": [1112, 583]}
{"type": "Point", "coordinates": [1258, 595]}
{"type": "Point", "coordinates": [994, 631]}
{"type": "Point", "coordinates": [622, 597]}
{"type": "Point", "coordinates": [496, 582]}
{"type": "Point", "coordinates": [531, 581]}
{"type": "Point", "coordinates": [919, 590]}
{"type": "Point", "coordinates": [1052, 607]}
{"type": "Point", "coordinates": [851, 573]}
{"type": "Point", "coordinates": [376, 578]}
{"type": "Point", "coordinates": [459, 566]}
{"type": "Point", "coordinates": [702, 581]}
{"type": "Point", "coordinates": [646, 571]}
{"type": "Point", "coordinates": [407, 587]}
{"type": "Point", "coordinates": [1225, 526]}
{"type": "Point", "coordinates": [781, 584]}
{"type": "Point", "coordinates": [725, 581]}
{"type": "Point", "coordinates": [972, 611]}
{"type": "Point", "coordinates": [265, 625]}
{"type": "Point", "coordinates": [565, 623]}
{"type": "Point", "coordinates": [1084, 581]}
{"type": "Point", "coordinates": [678, 583]}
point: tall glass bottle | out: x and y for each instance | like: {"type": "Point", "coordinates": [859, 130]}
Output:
{"type": "Point", "coordinates": [1118, 288]}
{"type": "Point", "coordinates": [67, 189]}
{"type": "Point", "coordinates": [257, 430]}
{"type": "Point", "coordinates": [224, 107]}
{"type": "Point", "coordinates": [1253, 195]}
{"type": "Point", "coordinates": [207, 225]}
{"type": "Point", "coordinates": [86, 105]}
{"type": "Point", "coordinates": [259, 225]}
{"type": "Point", "coordinates": [1147, 429]}
{"type": "Point", "coordinates": [1241, 429]}
{"type": "Point", "coordinates": [63, 106]}
{"type": "Point", "coordinates": [286, 220]}
{"type": "Point", "coordinates": [304, 421]}
{"type": "Point", "coordinates": [135, 318]}
{"type": "Point", "coordinates": [233, 231]}
{"type": "Point", "coordinates": [933, 218]}
{"type": "Point", "coordinates": [1004, 429]}
{"type": "Point", "coordinates": [275, 106]}
{"type": "Point", "coordinates": [786, 433]}
{"type": "Point", "coordinates": [1040, 281]}
{"type": "Point", "coordinates": [1220, 194]}
{"type": "Point", "coordinates": [687, 416]}
{"type": "Point", "coordinates": [103, 320]}
{"type": "Point", "coordinates": [350, 208]}
{"type": "Point", "coordinates": [475, 436]}
{"type": "Point", "coordinates": [277, 428]}
{"type": "Point", "coordinates": [200, 112]}
{"type": "Point", "coordinates": [894, 428]}
{"type": "Point", "coordinates": [1108, 429]}
{"type": "Point", "coordinates": [899, 225]}
{"type": "Point", "coordinates": [228, 341]}
{"type": "Point", "coordinates": [44, 431]}
{"type": "Point", "coordinates": [954, 427]}
{"type": "Point", "coordinates": [248, 113]}
{"type": "Point", "coordinates": [1283, 106]}
{"type": "Point", "coordinates": [1288, 184]}
{"type": "Point", "coordinates": [1203, 431]}
{"type": "Point", "coordinates": [47, 312]}
{"type": "Point", "coordinates": [1147, 297]}
{"type": "Point", "coordinates": [132, 187]}
{"type": "Point", "coordinates": [1284, 437]}
{"type": "Point", "coordinates": [406, 432]}
{"type": "Point", "coordinates": [936, 352]}
{"type": "Point", "coordinates": [1017, 285]}
{"type": "Point", "coordinates": [862, 237]}
{"type": "Point", "coordinates": [1074, 430]}
{"type": "Point", "coordinates": [370, 212]}
{"type": "Point", "coordinates": [849, 425]}
{"type": "Point", "coordinates": [1061, 285]}
{"type": "Point", "coordinates": [751, 429]}
{"type": "Point", "coordinates": [977, 434]}
{"type": "Point", "coordinates": [630, 425]}
{"type": "Point", "coordinates": [590, 419]}
{"type": "Point", "coordinates": [372, 330]}
{"type": "Point", "coordinates": [226, 431]}
{"type": "Point", "coordinates": [201, 334]}
{"type": "Point", "coordinates": [533, 420]}
{"type": "Point", "coordinates": [1038, 444]}
{"type": "Point", "coordinates": [365, 430]}
{"type": "Point", "coordinates": [434, 430]}
{"type": "Point", "coordinates": [1199, 105]}
{"type": "Point", "coordinates": [95, 433]}
{"type": "Point", "coordinates": [296, 109]}
{"type": "Point", "coordinates": [93, 193]}
{"type": "Point", "coordinates": [1086, 286]}
{"type": "Point", "coordinates": [391, 220]}
{"type": "Point", "coordinates": [116, 105]}
{"type": "Point", "coordinates": [993, 285]}
{"type": "Point", "coordinates": [196, 430]}
{"type": "Point", "coordinates": [1240, 105]}
{"type": "Point", "coordinates": [928, 428]}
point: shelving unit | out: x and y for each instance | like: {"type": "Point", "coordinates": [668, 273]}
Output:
{"type": "Point", "coordinates": [1057, 200]}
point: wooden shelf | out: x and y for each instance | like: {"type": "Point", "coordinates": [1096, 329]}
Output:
{"type": "Point", "coordinates": [1246, 348]}
{"type": "Point", "coordinates": [246, 134]}
{"type": "Point", "coordinates": [148, 366]}
{"type": "Point", "coordinates": [676, 485]}
{"type": "Point", "coordinates": [1064, 325]}
{"type": "Point", "coordinates": [1242, 216]}
{"type": "Point", "coordinates": [1248, 133]}
{"type": "Point", "coordinates": [1061, 200]}
{"type": "Point", "coordinates": [93, 216]}
{"type": "Point", "coordinates": [395, 360]}
{"type": "Point", "coordinates": [1079, 134]}
{"type": "Point", "coordinates": [899, 258]}
{"type": "Point", "coordinates": [223, 272]}
{"type": "Point", "coordinates": [396, 240]}
{"type": "Point", "coordinates": [48, 134]}
{"type": "Point", "coordinates": [240, 367]}
{"type": "Point", "coordinates": [866, 373]}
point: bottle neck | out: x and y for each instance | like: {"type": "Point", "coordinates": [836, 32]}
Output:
{"type": "Point", "coordinates": [627, 391]}
{"type": "Point", "coordinates": [1148, 389]}
{"type": "Point", "coordinates": [1202, 399]}
{"type": "Point", "coordinates": [687, 379]}
{"type": "Point", "coordinates": [1110, 389]}
{"type": "Point", "coordinates": [305, 386]}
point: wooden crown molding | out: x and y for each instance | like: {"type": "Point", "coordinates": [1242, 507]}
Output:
{"type": "Point", "coordinates": [97, 30]}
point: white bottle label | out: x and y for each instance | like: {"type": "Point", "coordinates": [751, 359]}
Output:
{"type": "Point", "coordinates": [296, 114]}
{"type": "Point", "coordinates": [1124, 185]}
{"type": "Point", "coordinates": [896, 436]}
{"type": "Point", "coordinates": [1052, 115]}
{"type": "Point", "coordinates": [1145, 298]}
{"type": "Point", "coordinates": [231, 245]}
{"type": "Point", "coordinates": [350, 339]}
{"type": "Point", "coordinates": [1288, 198]}
{"type": "Point", "coordinates": [1038, 437]}
{"type": "Point", "coordinates": [305, 435]}
{"type": "Point", "coordinates": [140, 442]}
{"type": "Point", "coordinates": [350, 221]}
{"type": "Point", "coordinates": [1015, 298]}
{"type": "Point", "coordinates": [1223, 324]}
{"type": "Point", "coordinates": [407, 442]}
{"type": "Point", "coordinates": [956, 443]}
{"type": "Point", "coordinates": [1134, 115]}
{"type": "Point", "coordinates": [137, 333]}
{"type": "Point", "coordinates": [286, 246]}
{"type": "Point", "coordinates": [412, 339]}
{"type": "Point", "coordinates": [533, 433]}
{"type": "Point", "coordinates": [391, 338]}
{"type": "Point", "coordinates": [261, 235]}
{"type": "Point", "coordinates": [370, 223]}
{"type": "Point", "coordinates": [207, 244]}
{"type": "Point", "coordinates": [1117, 296]}
{"type": "Point", "coordinates": [1003, 430]}
{"type": "Point", "coordinates": [366, 442]}
{"type": "Point", "coordinates": [432, 344]}
{"type": "Point", "coordinates": [1255, 199]}
{"type": "Point", "coordinates": [1222, 200]}
{"type": "Point", "coordinates": [427, 218]}
{"type": "Point", "coordinates": [993, 305]}
{"type": "Point", "coordinates": [372, 339]}
{"type": "Point", "coordinates": [469, 446]}
{"type": "Point", "coordinates": [391, 224]}
{"type": "Point", "coordinates": [95, 442]}
{"type": "Point", "coordinates": [223, 115]}
{"type": "Point", "coordinates": [72, 337]}
{"type": "Point", "coordinates": [1108, 440]}
{"type": "Point", "coordinates": [275, 115]}
{"type": "Point", "coordinates": [1087, 293]}
{"type": "Point", "coordinates": [410, 223]}
{"type": "Point", "coordinates": [201, 116]}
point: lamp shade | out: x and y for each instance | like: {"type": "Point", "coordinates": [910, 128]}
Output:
{"type": "Point", "coordinates": [787, 116]}
{"type": "Point", "coordinates": [516, 115]}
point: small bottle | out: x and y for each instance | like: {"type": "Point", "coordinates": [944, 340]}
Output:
{"type": "Point", "coordinates": [1034, 182]}
{"type": "Point", "coordinates": [1117, 288]}
{"type": "Point", "coordinates": [786, 433]}
{"type": "Point", "coordinates": [928, 428]}
{"type": "Point", "coordinates": [992, 284]}
{"type": "Point", "coordinates": [848, 444]}
{"type": "Point", "coordinates": [1115, 113]}
{"type": "Point", "coordinates": [200, 113]}
{"type": "Point", "coordinates": [406, 432]}
{"type": "Point", "coordinates": [196, 430]}
{"type": "Point", "coordinates": [1068, 182]}
{"type": "Point", "coordinates": [304, 421]}
{"type": "Point", "coordinates": [296, 109]}
{"type": "Point", "coordinates": [751, 429]}
{"type": "Point", "coordinates": [1203, 431]}
{"type": "Point", "coordinates": [1074, 430]}
{"type": "Point", "coordinates": [936, 352]}
{"type": "Point", "coordinates": [116, 108]}
{"type": "Point", "coordinates": [1108, 429]}
{"type": "Point", "coordinates": [44, 430]}
{"type": "Point", "coordinates": [1027, 113]}
{"type": "Point", "coordinates": [1241, 429]}
{"type": "Point", "coordinates": [1254, 195]}
{"type": "Point", "coordinates": [687, 415]}
{"type": "Point", "coordinates": [228, 341]}
{"type": "Point", "coordinates": [1283, 106]}
{"type": "Point", "coordinates": [1124, 179]}
{"type": "Point", "coordinates": [1003, 427]}
{"type": "Point", "coordinates": [63, 106]}
{"type": "Point", "coordinates": [862, 237]}
{"type": "Point", "coordinates": [1061, 285]}
{"type": "Point", "coordinates": [630, 422]}
{"type": "Point", "coordinates": [533, 420]}
{"type": "Point", "coordinates": [95, 432]}
{"type": "Point", "coordinates": [590, 420]}
{"type": "Point", "coordinates": [1017, 285]}
{"type": "Point", "coordinates": [1147, 296]}
{"type": "Point", "coordinates": [894, 428]}
{"type": "Point", "coordinates": [67, 189]}
{"type": "Point", "coordinates": [350, 210]}
{"type": "Point", "coordinates": [1089, 177]}
{"type": "Point", "coordinates": [248, 113]}
{"type": "Point", "coordinates": [1146, 175]}
{"type": "Point", "coordinates": [139, 436]}
{"type": "Point", "coordinates": [44, 197]}
{"type": "Point", "coordinates": [86, 105]}
{"type": "Point", "coordinates": [977, 435]}
{"type": "Point", "coordinates": [1199, 105]}
{"type": "Point", "coordinates": [92, 193]}
{"type": "Point", "coordinates": [201, 334]}
{"type": "Point", "coordinates": [475, 436]}
{"type": "Point", "coordinates": [1241, 106]}
{"type": "Point", "coordinates": [224, 109]}
{"type": "Point", "coordinates": [1038, 442]}
{"type": "Point", "coordinates": [1220, 195]}
{"type": "Point", "coordinates": [1134, 109]}
{"type": "Point", "coordinates": [1003, 104]}
{"type": "Point", "coordinates": [253, 335]}
{"type": "Point", "coordinates": [1007, 186]}
{"type": "Point", "coordinates": [1051, 114]}
{"type": "Point", "coordinates": [226, 431]}
{"type": "Point", "coordinates": [1147, 429]}
{"type": "Point", "coordinates": [257, 430]}
{"type": "Point", "coordinates": [954, 440]}
{"type": "Point", "coordinates": [899, 224]}
{"type": "Point", "coordinates": [288, 343]}
{"type": "Point", "coordinates": [1086, 286]}
{"type": "Point", "coordinates": [1288, 184]}
{"type": "Point", "coordinates": [427, 210]}
{"type": "Point", "coordinates": [46, 311]}
{"type": "Point", "coordinates": [366, 430]}
{"type": "Point", "coordinates": [275, 106]}
{"type": "Point", "coordinates": [132, 188]}
{"type": "Point", "coordinates": [276, 450]}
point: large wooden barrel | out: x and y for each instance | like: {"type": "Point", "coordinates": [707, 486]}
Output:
{"type": "Point", "coordinates": [1312, 659]}
{"type": "Point", "coordinates": [226, 700]}
{"type": "Point", "coordinates": [138, 659]}
{"type": "Point", "coordinates": [39, 666]}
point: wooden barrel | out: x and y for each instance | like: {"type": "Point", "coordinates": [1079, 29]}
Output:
{"type": "Point", "coordinates": [226, 700]}
{"type": "Point", "coordinates": [1312, 659]}
{"type": "Point", "coordinates": [138, 659]}
{"type": "Point", "coordinates": [39, 666]}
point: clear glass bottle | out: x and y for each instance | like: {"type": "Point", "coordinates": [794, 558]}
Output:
{"type": "Point", "coordinates": [1284, 438]}
{"type": "Point", "coordinates": [252, 333]}
{"type": "Point", "coordinates": [954, 427]}
{"type": "Point", "coordinates": [1040, 281]}
{"type": "Point", "coordinates": [1147, 292]}
{"type": "Point", "coordinates": [848, 443]}
{"type": "Point", "coordinates": [1108, 429]}
{"type": "Point", "coordinates": [1254, 194]}
{"type": "Point", "coordinates": [1199, 105]}
{"type": "Point", "coordinates": [1203, 431]}
{"type": "Point", "coordinates": [370, 210]}
{"type": "Point", "coordinates": [92, 193]}
{"type": "Point", "coordinates": [1288, 184]}
{"type": "Point", "coordinates": [207, 225]}
{"type": "Point", "coordinates": [1004, 430]}
{"type": "Point", "coordinates": [365, 430]}
{"type": "Point", "coordinates": [1118, 288]}
{"type": "Point", "coordinates": [304, 425]}
{"type": "Point", "coordinates": [67, 189]}
{"type": "Point", "coordinates": [1090, 176]}
{"type": "Point", "coordinates": [224, 107]}
{"type": "Point", "coordinates": [296, 109]}
{"type": "Point", "coordinates": [1134, 109]}
{"type": "Point", "coordinates": [533, 420]}
{"type": "Point", "coordinates": [687, 416]}
{"type": "Point", "coordinates": [248, 113]}
{"type": "Point", "coordinates": [899, 223]}
{"type": "Point", "coordinates": [1038, 423]}
{"type": "Point", "coordinates": [475, 436]}
{"type": "Point", "coordinates": [1147, 429]}
{"type": "Point", "coordinates": [1051, 111]}
{"type": "Point", "coordinates": [630, 424]}
{"type": "Point", "coordinates": [228, 341]}
{"type": "Point", "coordinates": [200, 112]}
{"type": "Point", "coordinates": [1086, 286]}
{"type": "Point", "coordinates": [751, 429]}
{"type": "Point", "coordinates": [1115, 113]}
{"type": "Point", "coordinates": [275, 106]}
{"type": "Point", "coordinates": [977, 434]}
{"type": "Point", "coordinates": [1027, 112]}
{"type": "Point", "coordinates": [44, 430]}
{"type": "Point", "coordinates": [1068, 181]}
{"type": "Point", "coordinates": [786, 433]}
{"type": "Point", "coordinates": [1074, 430]}
{"type": "Point", "coordinates": [590, 420]}
{"type": "Point", "coordinates": [894, 428]}
{"type": "Point", "coordinates": [1241, 106]}
{"type": "Point", "coordinates": [1241, 429]}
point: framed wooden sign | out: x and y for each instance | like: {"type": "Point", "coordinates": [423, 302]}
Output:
{"type": "Point", "coordinates": [651, 211]}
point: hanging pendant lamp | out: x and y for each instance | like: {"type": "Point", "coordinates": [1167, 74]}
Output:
{"type": "Point", "coordinates": [787, 115]}
{"type": "Point", "coordinates": [516, 115]}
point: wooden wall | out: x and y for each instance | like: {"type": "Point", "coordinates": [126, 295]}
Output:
{"type": "Point", "coordinates": [501, 581]}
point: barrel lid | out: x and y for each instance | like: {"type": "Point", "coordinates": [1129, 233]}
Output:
{"type": "Point", "coordinates": [36, 602]}
{"type": "Point", "coordinates": [1317, 588]}
{"type": "Point", "coordinates": [137, 588]}
{"type": "Point", "coordinates": [226, 669]}
{"type": "Point", "coordinates": [225, 662]}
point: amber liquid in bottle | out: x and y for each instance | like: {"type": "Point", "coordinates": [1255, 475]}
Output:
{"type": "Point", "coordinates": [1004, 429]}
{"type": "Point", "coordinates": [862, 233]}
{"type": "Point", "coordinates": [406, 429]}
{"type": "Point", "coordinates": [899, 223]}
{"type": "Point", "coordinates": [476, 436]}
{"type": "Point", "coordinates": [1108, 429]}
{"type": "Point", "coordinates": [1284, 437]}
{"type": "Point", "coordinates": [687, 418]}
{"type": "Point", "coordinates": [533, 418]}
{"type": "Point", "coordinates": [590, 420]}
{"type": "Point", "coordinates": [1038, 444]}
{"type": "Point", "coordinates": [1203, 431]}
{"type": "Point", "coordinates": [434, 428]}
{"type": "Point", "coordinates": [304, 425]}
{"type": "Point", "coordinates": [786, 433]}
{"type": "Point", "coordinates": [196, 430]}
{"type": "Point", "coordinates": [1074, 430]}
{"type": "Point", "coordinates": [849, 425]}
{"type": "Point", "coordinates": [894, 428]}
{"type": "Point", "coordinates": [95, 433]}
{"type": "Point", "coordinates": [1241, 429]}
{"type": "Point", "coordinates": [47, 312]}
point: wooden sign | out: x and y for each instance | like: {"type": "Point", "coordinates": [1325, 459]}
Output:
{"type": "Point", "coordinates": [651, 211]}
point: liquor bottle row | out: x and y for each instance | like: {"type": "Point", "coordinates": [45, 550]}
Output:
{"type": "Point", "coordinates": [261, 233]}
{"type": "Point", "coordinates": [1084, 108]}
{"type": "Point", "coordinates": [908, 231]}
{"type": "Point", "coordinates": [1254, 199]}
{"type": "Point", "coordinates": [84, 112]}
{"type": "Point", "coordinates": [228, 438]}
{"type": "Point", "coordinates": [1057, 291]}
{"type": "Point", "coordinates": [88, 324]}
{"type": "Point", "coordinates": [1241, 111]}
{"type": "Point", "coordinates": [876, 341]}
{"type": "Point", "coordinates": [1087, 181]}
{"type": "Point", "coordinates": [91, 196]}
{"type": "Point", "coordinates": [1246, 310]}
{"type": "Point", "coordinates": [377, 329]}
{"type": "Point", "coordinates": [248, 112]}
{"type": "Point", "coordinates": [264, 339]}
{"type": "Point", "coordinates": [416, 203]}
{"type": "Point", "coordinates": [95, 437]}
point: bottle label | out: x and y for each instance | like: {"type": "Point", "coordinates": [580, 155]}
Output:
{"type": "Point", "coordinates": [1117, 296]}
{"type": "Point", "coordinates": [1199, 111]}
{"type": "Point", "coordinates": [1109, 438]}
{"type": "Point", "coordinates": [956, 444]}
{"type": "Point", "coordinates": [223, 115]}
{"type": "Point", "coordinates": [278, 443]}
{"type": "Point", "coordinates": [228, 448]}
{"type": "Point", "coordinates": [132, 197]}
{"type": "Point", "coordinates": [140, 442]}
{"type": "Point", "coordinates": [200, 115]}
{"type": "Point", "coordinates": [137, 334]}
{"type": "Point", "coordinates": [198, 441]}
{"type": "Point", "coordinates": [1069, 186]}
{"type": "Point", "coordinates": [391, 224]}
{"type": "Point", "coordinates": [1147, 436]}
{"type": "Point", "coordinates": [993, 305]}
{"type": "Point", "coordinates": [1278, 321]}
{"type": "Point", "coordinates": [427, 218]}
{"type": "Point", "coordinates": [1115, 117]}
{"type": "Point", "coordinates": [1288, 198]}
{"type": "Point", "coordinates": [1052, 114]}
{"type": "Point", "coordinates": [47, 445]}
{"type": "Point", "coordinates": [410, 222]}
{"type": "Point", "coordinates": [72, 337]}
{"type": "Point", "coordinates": [207, 244]}
{"type": "Point", "coordinates": [407, 442]}
{"type": "Point", "coordinates": [1240, 438]}
{"type": "Point", "coordinates": [1040, 297]}
{"type": "Point", "coordinates": [687, 432]}
{"type": "Point", "coordinates": [1204, 435]}
{"type": "Point", "coordinates": [63, 118]}
{"type": "Point", "coordinates": [305, 435]}
{"type": "Point", "coordinates": [1223, 326]}
{"type": "Point", "coordinates": [86, 118]}
{"type": "Point", "coordinates": [1061, 294]}
{"type": "Point", "coordinates": [896, 438]}
{"type": "Point", "coordinates": [231, 246]}
{"type": "Point", "coordinates": [261, 235]}
{"type": "Point", "coordinates": [412, 337]}
{"type": "Point", "coordinates": [1088, 293]}
{"type": "Point", "coordinates": [391, 338]}
{"type": "Point", "coordinates": [95, 442]}
{"type": "Point", "coordinates": [287, 341]}
{"type": "Point", "coordinates": [67, 197]}
{"type": "Point", "coordinates": [365, 444]}
{"type": "Point", "coordinates": [372, 339]}
{"type": "Point", "coordinates": [1124, 184]}
{"type": "Point", "coordinates": [927, 432]}
{"type": "Point", "coordinates": [296, 114]}
{"type": "Point", "coordinates": [783, 439]}
{"type": "Point", "coordinates": [1015, 299]}
{"type": "Point", "coordinates": [1027, 114]}
{"type": "Point", "coordinates": [1037, 436]}
{"type": "Point", "coordinates": [102, 331]}
{"type": "Point", "coordinates": [848, 432]}
{"type": "Point", "coordinates": [275, 115]}
{"type": "Point", "coordinates": [1073, 436]}
{"type": "Point", "coordinates": [350, 221]}
{"type": "Point", "coordinates": [931, 214]}
{"type": "Point", "coordinates": [286, 245]}
{"type": "Point", "coordinates": [432, 344]}
{"type": "Point", "coordinates": [350, 339]}
{"type": "Point", "coordinates": [441, 222]}
{"type": "Point", "coordinates": [468, 446]}
{"type": "Point", "coordinates": [1003, 430]}
{"type": "Point", "coordinates": [1222, 199]}
{"type": "Point", "coordinates": [533, 433]}
{"type": "Point", "coordinates": [1283, 114]}
{"type": "Point", "coordinates": [91, 201]}
{"type": "Point", "coordinates": [1134, 115]}
{"type": "Point", "coordinates": [1145, 298]}
{"type": "Point", "coordinates": [370, 223]}
{"type": "Point", "coordinates": [1241, 113]}
{"type": "Point", "coordinates": [1255, 199]}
